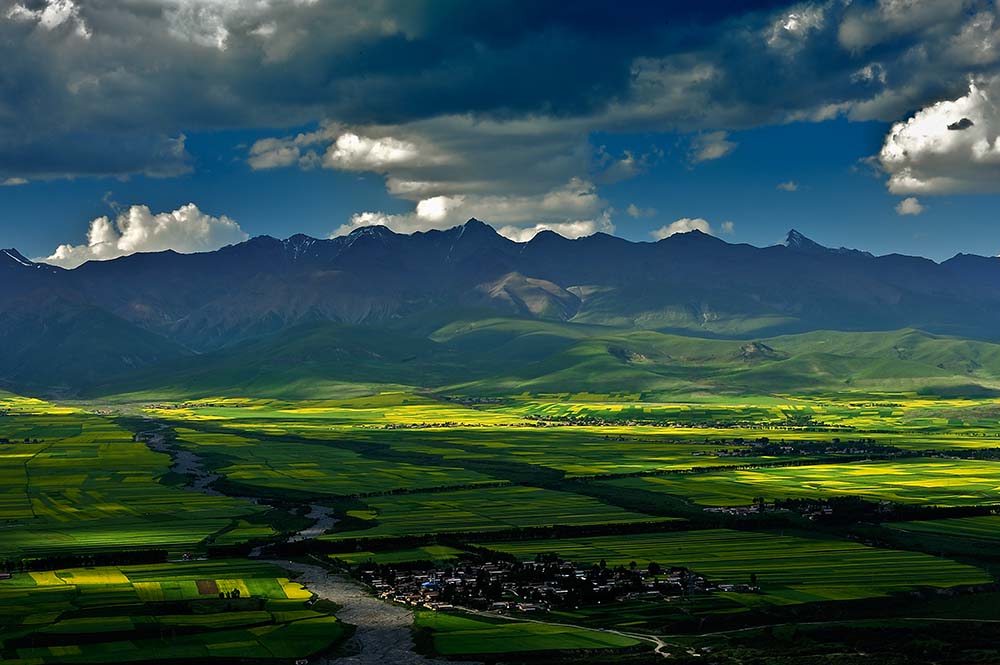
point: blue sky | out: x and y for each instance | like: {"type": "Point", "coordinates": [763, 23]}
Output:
{"type": "Point", "coordinates": [280, 117]}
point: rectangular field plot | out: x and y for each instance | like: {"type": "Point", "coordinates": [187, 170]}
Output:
{"type": "Point", "coordinates": [278, 416]}
{"type": "Point", "coordinates": [906, 420]}
{"type": "Point", "coordinates": [599, 406]}
{"type": "Point", "coordinates": [924, 481]}
{"type": "Point", "coordinates": [456, 635]}
{"type": "Point", "coordinates": [788, 569]}
{"type": "Point", "coordinates": [434, 553]}
{"type": "Point", "coordinates": [82, 483]}
{"type": "Point", "coordinates": [578, 451]}
{"type": "Point", "coordinates": [315, 468]}
{"type": "Point", "coordinates": [984, 530]}
{"type": "Point", "coordinates": [488, 509]}
{"type": "Point", "coordinates": [129, 613]}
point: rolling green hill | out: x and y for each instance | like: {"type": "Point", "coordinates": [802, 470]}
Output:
{"type": "Point", "coordinates": [512, 356]}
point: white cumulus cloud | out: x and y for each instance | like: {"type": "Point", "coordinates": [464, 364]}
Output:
{"type": "Point", "coordinates": [352, 152]}
{"type": "Point", "coordinates": [948, 147]}
{"type": "Point", "coordinates": [788, 186]}
{"type": "Point", "coordinates": [683, 225]}
{"type": "Point", "coordinates": [566, 229]}
{"type": "Point", "coordinates": [573, 210]}
{"type": "Point", "coordinates": [137, 229]}
{"type": "Point", "coordinates": [909, 206]}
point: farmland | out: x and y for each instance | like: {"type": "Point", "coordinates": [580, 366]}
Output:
{"type": "Point", "coordinates": [451, 635]}
{"type": "Point", "coordinates": [789, 569]}
{"type": "Point", "coordinates": [491, 509]}
{"type": "Point", "coordinates": [317, 469]}
{"type": "Point", "coordinates": [80, 482]}
{"type": "Point", "coordinates": [918, 480]}
{"type": "Point", "coordinates": [435, 553]}
{"type": "Point", "coordinates": [418, 480]}
{"type": "Point", "coordinates": [984, 529]}
{"type": "Point", "coordinates": [124, 613]}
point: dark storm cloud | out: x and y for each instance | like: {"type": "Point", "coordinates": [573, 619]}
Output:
{"type": "Point", "coordinates": [110, 86]}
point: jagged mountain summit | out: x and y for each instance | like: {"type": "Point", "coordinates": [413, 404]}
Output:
{"type": "Point", "coordinates": [800, 243]}
{"type": "Point", "coordinates": [163, 304]}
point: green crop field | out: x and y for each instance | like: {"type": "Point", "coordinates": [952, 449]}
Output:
{"type": "Point", "coordinates": [434, 553]}
{"type": "Point", "coordinates": [315, 468]}
{"type": "Point", "coordinates": [457, 635]}
{"type": "Point", "coordinates": [576, 451]}
{"type": "Point", "coordinates": [789, 569]}
{"type": "Point", "coordinates": [914, 480]}
{"type": "Point", "coordinates": [81, 483]}
{"type": "Point", "coordinates": [383, 407]}
{"type": "Point", "coordinates": [401, 465]}
{"type": "Point", "coordinates": [481, 510]}
{"type": "Point", "coordinates": [127, 613]}
{"type": "Point", "coordinates": [985, 530]}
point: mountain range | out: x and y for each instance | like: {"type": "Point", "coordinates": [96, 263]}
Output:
{"type": "Point", "coordinates": [375, 298]}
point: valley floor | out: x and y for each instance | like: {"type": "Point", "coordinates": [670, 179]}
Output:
{"type": "Point", "coordinates": [584, 528]}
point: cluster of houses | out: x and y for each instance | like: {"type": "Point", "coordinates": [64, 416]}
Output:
{"type": "Point", "coordinates": [599, 421]}
{"type": "Point", "coordinates": [453, 424]}
{"type": "Point", "coordinates": [173, 406]}
{"type": "Point", "coordinates": [546, 583]}
{"type": "Point", "coordinates": [756, 508]}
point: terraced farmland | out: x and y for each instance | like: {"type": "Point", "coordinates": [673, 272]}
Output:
{"type": "Point", "coordinates": [788, 569]}
{"type": "Point", "coordinates": [943, 482]}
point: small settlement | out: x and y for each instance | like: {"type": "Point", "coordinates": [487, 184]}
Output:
{"type": "Point", "coordinates": [546, 583]}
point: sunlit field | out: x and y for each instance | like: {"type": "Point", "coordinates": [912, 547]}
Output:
{"type": "Point", "coordinates": [81, 483]}
{"type": "Point", "coordinates": [417, 480]}
{"type": "Point", "coordinates": [125, 613]}
{"type": "Point", "coordinates": [917, 480]}
{"type": "Point", "coordinates": [789, 569]}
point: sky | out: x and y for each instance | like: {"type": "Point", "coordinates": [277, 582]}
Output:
{"type": "Point", "coordinates": [143, 125]}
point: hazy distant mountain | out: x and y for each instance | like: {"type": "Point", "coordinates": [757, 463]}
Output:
{"type": "Point", "coordinates": [154, 307]}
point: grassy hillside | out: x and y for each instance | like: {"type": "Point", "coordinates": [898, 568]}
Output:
{"type": "Point", "coordinates": [604, 360]}
{"type": "Point", "coordinates": [513, 356]}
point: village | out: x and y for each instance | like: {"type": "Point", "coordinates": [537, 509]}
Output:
{"type": "Point", "coordinates": [546, 583]}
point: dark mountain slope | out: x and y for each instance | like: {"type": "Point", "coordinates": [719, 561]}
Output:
{"type": "Point", "coordinates": [691, 284]}
{"type": "Point", "coordinates": [59, 344]}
